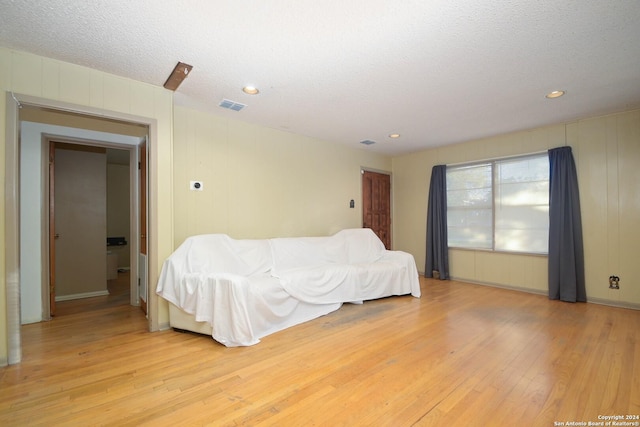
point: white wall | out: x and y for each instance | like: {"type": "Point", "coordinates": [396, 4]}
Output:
{"type": "Point", "coordinates": [32, 210]}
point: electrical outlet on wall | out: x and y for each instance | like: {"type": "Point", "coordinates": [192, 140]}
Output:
{"type": "Point", "coordinates": [614, 282]}
{"type": "Point", "coordinates": [196, 185]}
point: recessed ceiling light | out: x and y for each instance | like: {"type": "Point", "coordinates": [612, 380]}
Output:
{"type": "Point", "coordinates": [555, 94]}
{"type": "Point", "coordinates": [394, 135]}
{"type": "Point", "coordinates": [250, 90]}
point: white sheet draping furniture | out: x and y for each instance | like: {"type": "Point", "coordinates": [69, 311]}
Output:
{"type": "Point", "coordinates": [247, 289]}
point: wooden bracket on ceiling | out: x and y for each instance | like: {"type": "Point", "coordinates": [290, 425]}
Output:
{"type": "Point", "coordinates": [179, 73]}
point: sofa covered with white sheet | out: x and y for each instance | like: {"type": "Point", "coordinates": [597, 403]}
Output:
{"type": "Point", "coordinates": [242, 290]}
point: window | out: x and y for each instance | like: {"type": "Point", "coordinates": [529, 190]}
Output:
{"type": "Point", "coordinates": [470, 206]}
{"type": "Point", "coordinates": [500, 205]}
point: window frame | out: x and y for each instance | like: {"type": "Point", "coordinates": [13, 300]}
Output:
{"type": "Point", "coordinates": [491, 163]}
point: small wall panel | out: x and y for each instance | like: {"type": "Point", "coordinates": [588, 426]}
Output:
{"type": "Point", "coordinates": [26, 75]}
{"type": "Point", "coordinates": [75, 83]}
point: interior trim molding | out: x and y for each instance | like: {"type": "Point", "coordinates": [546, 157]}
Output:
{"type": "Point", "coordinates": [81, 295]}
{"type": "Point", "coordinates": [12, 230]}
{"type": "Point", "coordinates": [14, 101]}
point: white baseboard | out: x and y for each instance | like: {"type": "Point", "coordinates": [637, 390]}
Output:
{"type": "Point", "coordinates": [82, 295]}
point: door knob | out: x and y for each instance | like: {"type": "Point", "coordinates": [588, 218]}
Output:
{"type": "Point", "coordinates": [56, 236]}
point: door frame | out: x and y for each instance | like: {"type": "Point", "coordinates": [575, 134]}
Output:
{"type": "Point", "coordinates": [13, 102]}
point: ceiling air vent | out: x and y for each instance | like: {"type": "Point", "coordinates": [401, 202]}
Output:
{"type": "Point", "coordinates": [231, 105]}
{"type": "Point", "coordinates": [367, 142]}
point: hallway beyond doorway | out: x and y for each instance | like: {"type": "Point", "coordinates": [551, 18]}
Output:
{"type": "Point", "coordinates": [118, 295]}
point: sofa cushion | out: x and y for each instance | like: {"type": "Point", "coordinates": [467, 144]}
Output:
{"type": "Point", "coordinates": [351, 246]}
{"type": "Point", "coordinates": [300, 252]}
{"type": "Point", "coordinates": [362, 245]}
{"type": "Point", "coordinates": [210, 253]}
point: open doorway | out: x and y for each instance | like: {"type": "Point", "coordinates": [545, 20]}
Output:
{"type": "Point", "coordinates": [90, 213]}
{"type": "Point", "coordinates": [15, 267]}
{"type": "Point", "coordinates": [39, 129]}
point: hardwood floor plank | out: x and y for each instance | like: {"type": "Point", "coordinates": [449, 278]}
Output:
{"type": "Point", "coordinates": [463, 354]}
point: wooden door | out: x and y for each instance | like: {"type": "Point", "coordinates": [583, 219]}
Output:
{"type": "Point", "coordinates": [78, 225]}
{"type": "Point", "coordinates": [142, 191]}
{"type": "Point", "coordinates": [376, 205]}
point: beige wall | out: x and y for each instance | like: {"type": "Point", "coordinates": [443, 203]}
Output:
{"type": "Point", "coordinates": [260, 182]}
{"type": "Point", "coordinates": [118, 210]}
{"type": "Point", "coordinates": [71, 85]}
{"type": "Point", "coordinates": [607, 154]}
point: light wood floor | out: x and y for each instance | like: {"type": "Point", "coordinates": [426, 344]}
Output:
{"type": "Point", "coordinates": [461, 355]}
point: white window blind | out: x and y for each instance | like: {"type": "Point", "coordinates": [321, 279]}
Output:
{"type": "Point", "coordinates": [500, 205]}
{"type": "Point", "coordinates": [469, 206]}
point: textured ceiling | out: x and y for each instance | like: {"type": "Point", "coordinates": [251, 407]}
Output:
{"type": "Point", "coordinates": [436, 72]}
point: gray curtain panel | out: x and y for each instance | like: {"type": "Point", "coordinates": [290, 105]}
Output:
{"type": "Point", "coordinates": [437, 246]}
{"type": "Point", "coordinates": [566, 256]}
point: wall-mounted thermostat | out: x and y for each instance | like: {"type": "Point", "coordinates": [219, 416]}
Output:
{"type": "Point", "coordinates": [195, 185]}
